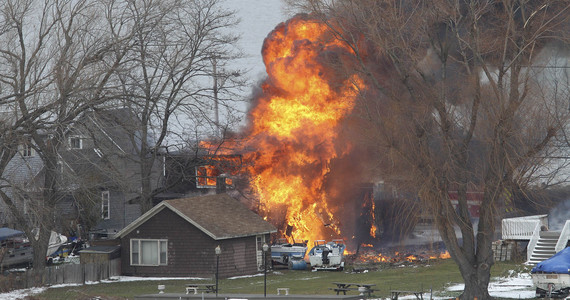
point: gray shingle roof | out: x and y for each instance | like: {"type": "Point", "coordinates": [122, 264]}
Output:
{"type": "Point", "coordinates": [219, 216]}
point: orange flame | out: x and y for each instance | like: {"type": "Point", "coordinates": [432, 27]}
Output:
{"type": "Point", "coordinates": [445, 255]}
{"type": "Point", "coordinates": [411, 258]}
{"type": "Point", "coordinates": [207, 174]}
{"type": "Point", "coordinates": [294, 128]}
{"type": "Point", "coordinates": [371, 256]}
{"type": "Point", "coordinates": [380, 258]}
{"type": "Point", "coordinates": [373, 227]}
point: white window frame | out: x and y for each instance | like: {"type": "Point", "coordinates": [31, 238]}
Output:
{"type": "Point", "coordinates": [227, 181]}
{"type": "Point", "coordinates": [105, 203]}
{"type": "Point", "coordinates": [72, 139]}
{"type": "Point", "coordinates": [161, 247]}
{"type": "Point", "coordinates": [26, 149]}
{"type": "Point", "coordinates": [205, 177]}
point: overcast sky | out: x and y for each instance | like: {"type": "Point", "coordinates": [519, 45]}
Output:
{"type": "Point", "coordinates": [258, 18]}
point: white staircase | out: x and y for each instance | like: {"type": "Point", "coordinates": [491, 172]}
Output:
{"type": "Point", "coordinates": [545, 247]}
{"type": "Point", "coordinates": [542, 243]}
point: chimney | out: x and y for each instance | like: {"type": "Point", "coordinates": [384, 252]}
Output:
{"type": "Point", "coordinates": [221, 184]}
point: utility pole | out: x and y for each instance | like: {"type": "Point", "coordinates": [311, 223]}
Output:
{"type": "Point", "coordinates": [216, 111]}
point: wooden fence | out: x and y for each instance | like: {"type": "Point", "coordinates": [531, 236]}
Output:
{"type": "Point", "coordinates": [60, 274]}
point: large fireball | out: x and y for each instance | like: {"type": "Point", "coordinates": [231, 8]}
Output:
{"type": "Point", "coordinates": [295, 127]}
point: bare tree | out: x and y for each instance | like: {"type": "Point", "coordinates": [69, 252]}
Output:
{"type": "Point", "coordinates": [460, 95]}
{"type": "Point", "coordinates": [179, 48]}
{"type": "Point", "coordinates": [57, 59]}
{"type": "Point", "coordinates": [61, 59]}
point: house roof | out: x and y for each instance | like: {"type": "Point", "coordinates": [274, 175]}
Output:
{"type": "Point", "coordinates": [100, 249]}
{"type": "Point", "coordinates": [219, 216]}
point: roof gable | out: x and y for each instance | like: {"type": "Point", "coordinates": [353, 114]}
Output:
{"type": "Point", "coordinates": [219, 216]}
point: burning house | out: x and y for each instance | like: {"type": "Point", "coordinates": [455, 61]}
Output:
{"type": "Point", "coordinates": [299, 161]}
{"type": "Point", "coordinates": [196, 173]}
{"type": "Point", "coordinates": [300, 156]}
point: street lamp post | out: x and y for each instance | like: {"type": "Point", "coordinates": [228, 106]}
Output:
{"type": "Point", "coordinates": [265, 248]}
{"type": "Point", "coordinates": [218, 251]}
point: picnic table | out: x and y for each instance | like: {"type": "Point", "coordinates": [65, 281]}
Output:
{"type": "Point", "coordinates": [201, 287]}
{"type": "Point", "coordinates": [396, 293]}
{"type": "Point", "coordinates": [363, 288]}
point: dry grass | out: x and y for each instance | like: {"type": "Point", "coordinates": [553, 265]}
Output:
{"type": "Point", "coordinates": [436, 275]}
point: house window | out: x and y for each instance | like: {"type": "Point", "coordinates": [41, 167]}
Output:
{"type": "Point", "coordinates": [75, 142]}
{"type": "Point", "coordinates": [105, 211]}
{"type": "Point", "coordinates": [206, 176]}
{"type": "Point", "coordinates": [148, 252]}
{"type": "Point", "coordinates": [26, 149]}
{"type": "Point", "coordinates": [26, 205]}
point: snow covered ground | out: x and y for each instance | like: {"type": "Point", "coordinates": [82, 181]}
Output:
{"type": "Point", "coordinates": [516, 287]}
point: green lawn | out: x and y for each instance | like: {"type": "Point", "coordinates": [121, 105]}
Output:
{"type": "Point", "coordinates": [436, 275]}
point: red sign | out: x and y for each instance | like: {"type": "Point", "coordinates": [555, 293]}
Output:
{"type": "Point", "coordinates": [474, 200]}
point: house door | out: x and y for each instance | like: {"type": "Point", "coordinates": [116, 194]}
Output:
{"type": "Point", "coordinates": [260, 240]}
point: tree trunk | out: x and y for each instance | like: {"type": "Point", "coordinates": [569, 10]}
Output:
{"type": "Point", "coordinates": [477, 285]}
{"type": "Point", "coordinates": [49, 199]}
{"type": "Point", "coordinates": [476, 277]}
{"type": "Point", "coordinates": [40, 247]}
{"type": "Point", "coordinates": [146, 180]}
{"type": "Point", "coordinates": [146, 195]}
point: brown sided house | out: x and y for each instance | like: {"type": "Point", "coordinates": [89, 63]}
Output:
{"type": "Point", "coordinates": [178, 238]}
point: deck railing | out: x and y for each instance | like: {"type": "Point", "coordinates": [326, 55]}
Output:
{"type": "Point", "coordinates": [533, 240]}
{"type": "Point", "coordinates": [522, 228]}
{"type": "Point", "coordinates": [564, 236]}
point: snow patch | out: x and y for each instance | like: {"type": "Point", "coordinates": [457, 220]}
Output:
{"type": "Point", "coordinates": [21, 294]}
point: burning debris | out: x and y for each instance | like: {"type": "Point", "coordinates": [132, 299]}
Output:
{"type": "Point", "coordinates": [367, 255]}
